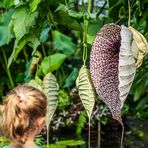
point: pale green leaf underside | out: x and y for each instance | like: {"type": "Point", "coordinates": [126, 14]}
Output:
{"type": "Point", "coordinates": [50, 87]}
{"type": "Point", "coordinates": [86, 89]}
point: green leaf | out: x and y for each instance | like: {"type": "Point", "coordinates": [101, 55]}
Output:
{"type": "Point", "coordinates": [33, 4]}
{"type": "Point", "coordinates": [23, 20]}
{"type": "Point", "coordinates": [52, 62]}
{"type": "Point", "coordinates": [86, 89]}
{"type": "Point", "coordinates": [8, 3]}
{"type": "Point", "coordinates": [63, 43]}
{"type": "Point", "coordinates": [36, 84]}
{"type": "Point", "coordinates": [138, 92]}
{"type": "Point", "coordinates": [63, 18]}
{"type": "Point", "coordinates": [51, 88]}
{"type": "Point", "coordinates": [5, 35]}
{"type": "Point", "coordinates": [16, 49]}
{"type": "Point", "coordinates": [44, 33]}
{"type": "Point", "coordinates": [63, 99]}
{"type": "Point", "coordinates": [71, 78]}
{"type": "Point", "coordinates": [93, 28]}
{"type": "Point", "coordinates": [32, 41]}
{"type": "Point", "coordinates": [142, 104]}
{"type": "Point", "coordinates": [76, 14]}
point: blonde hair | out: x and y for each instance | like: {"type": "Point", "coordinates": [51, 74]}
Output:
{"type": "Point", "coordinates": [22, 107]}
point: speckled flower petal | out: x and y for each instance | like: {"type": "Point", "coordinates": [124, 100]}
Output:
{"type": "Point", "coordinates": [104, 60]}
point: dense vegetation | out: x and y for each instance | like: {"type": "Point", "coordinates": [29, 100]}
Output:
{"type": "Point", "coordinates": [38, 36]}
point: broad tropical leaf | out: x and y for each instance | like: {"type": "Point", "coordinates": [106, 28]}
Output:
{"type": "Point", "coordinates": [86, 89]}
{"type": "Point", "coordinates": [16, 50]}
{"type": "Point", "coordinates": [23, 20]}
{"type": "Point", "coordinates": [5, 35]}
{"type": "Point", "coordinates": [63, 43]}
{"type": "Point", "coordinates": [52, 62]}
{"type": "Point", "coordinates": [139, 46]}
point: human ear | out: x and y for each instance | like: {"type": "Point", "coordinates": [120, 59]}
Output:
{"type": "Point", "coordinates": [41, 121]}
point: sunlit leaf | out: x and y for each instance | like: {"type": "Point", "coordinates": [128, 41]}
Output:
{"type": "Point", "coordinates": [23, 20]}
{"type": "Point", "coordinates": [52, 62]}
{"type": "Point", "coordinates": [33, 4]}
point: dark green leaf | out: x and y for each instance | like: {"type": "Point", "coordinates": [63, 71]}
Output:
{"type": "Point", "coordinates": [16, 49]}
{"type": "Point", "coordinates": [63, 43]}
{"type": "Point", "coordinates": [71, 78]}
{"type": "Point", "coordinates": [5, 35]}
{"type": "Point", "coordinates": [44, 33]}
{"type": "Point", "coordinates": [93, 28]}
{"type": "Point", "coordinates": [141, 105]}
{"type": "Point", "coordinates": [63, 18]}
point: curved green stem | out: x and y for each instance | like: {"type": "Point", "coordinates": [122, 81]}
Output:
{"type": "Point", "coordinates": [89, 134]}
{"type": "Point", "coordinates": [43, 50]}
{"type": "Point", "coordinates": [7, 69]}
{"type": "Point", "coordinates": [89, 6]}
{"type": "Point", "coordinates": [129, 13]}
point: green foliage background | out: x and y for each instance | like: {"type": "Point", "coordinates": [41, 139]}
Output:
{"type": "Point", "coordinates": [41, 36]}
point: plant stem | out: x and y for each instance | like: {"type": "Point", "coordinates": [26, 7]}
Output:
{"type": "Point", "coordinates": [43, 50]}
{"type": "Point", "coordinates": [99, 134]}
{"type": "Point", "coordinates": [48, 136]}
{"type": "Point", "coordinates": [89, 134]}
{"type": "Point", "coordinates": [7, 69]}
{"type": "Point", "coordinates": [89, 6]}
{"type": "Point", "coordinates": [129, 13]}
{"type": "Point", "coordinates": [26, 56]}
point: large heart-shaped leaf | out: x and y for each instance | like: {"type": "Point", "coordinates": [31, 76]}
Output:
{"type": "Point", "coordinates": [63, 43]}
{"type": "Point", "coordinates": [23, 20]}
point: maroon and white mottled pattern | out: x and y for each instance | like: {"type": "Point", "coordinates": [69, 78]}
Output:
{"type": "Point", "coordinates": [104, 59]}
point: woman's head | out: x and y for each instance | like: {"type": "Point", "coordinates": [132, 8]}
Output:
{"type": "Point", "coordinates": [23, 106]}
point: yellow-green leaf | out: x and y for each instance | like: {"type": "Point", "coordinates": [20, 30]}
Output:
{"type": "Point", "coordinates": [86, 89]}
{"type": "Point", "coordinates": [139, 46]}
{"type": "Point", "coordinates": [50, 87]}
